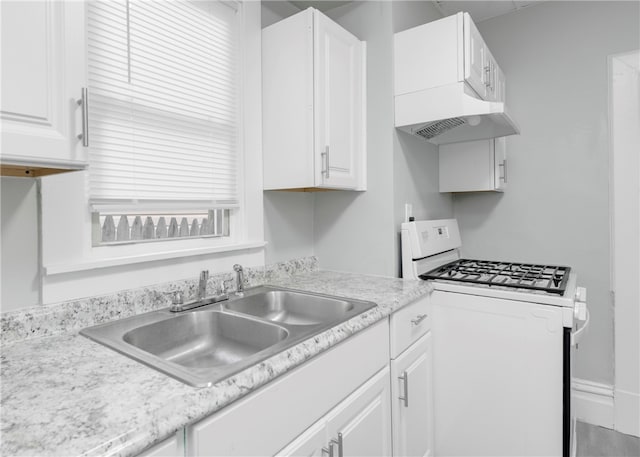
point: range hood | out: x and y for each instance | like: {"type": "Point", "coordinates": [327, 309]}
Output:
{"type": "Point", "coordinates": [452, 113]}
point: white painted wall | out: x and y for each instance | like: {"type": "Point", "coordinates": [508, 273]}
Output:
{"type": "Point", "coordinates": [19, 247]}
{"type": "Point", "coordinates": [556, 209]}
{"type": "Point", "coordinates": [625, 240]}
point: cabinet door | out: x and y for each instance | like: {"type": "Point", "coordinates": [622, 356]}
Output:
{"type": "Point", "coordinates": [171, 447]}
{"type": "Point", "coordinates": [361, 425]}
{"type": "Point", "coordinates": [309, 444]}
{"type": "Point", "coordinates": [474, 58]}
{"type": "Point", "coordinates": [412, 400]}
{"type": "Point", "coordinates": [500, 84]}
{"type": "Point", "coordinates": [468, 166]}
{"type": "Point", "coordinates": [500, 163]}
{"type": "Point", "coordinates": [43, 72]}
{"type": "Point", "coordinates": [339, 113]}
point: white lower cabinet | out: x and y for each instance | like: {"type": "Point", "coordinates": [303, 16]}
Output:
{"type": "Point", "coordinates": [171, 447]}
{"type": "Point", "coordinates": [412, 400]}
{"type": "Point", "coordinates": [358, 426]}
{"type": "Point", "coordinates": [330, 391]}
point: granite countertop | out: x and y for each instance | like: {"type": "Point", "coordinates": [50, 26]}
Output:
{"type": "Point", "coordinates": [66, 395]}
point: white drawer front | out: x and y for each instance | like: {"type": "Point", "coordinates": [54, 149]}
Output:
{"type": "Point", "coordinates": [409, 324]}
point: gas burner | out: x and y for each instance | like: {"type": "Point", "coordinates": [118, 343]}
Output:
{"type": "Point", "coordinates": [546, 278]}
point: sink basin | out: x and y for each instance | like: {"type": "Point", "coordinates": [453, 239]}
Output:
{"type": "Point", "coordinates": [292, 308]}
{"type": "Point", "coordinates": [204, 345]}
{"type": "Point", "coordinates": [205, 338]}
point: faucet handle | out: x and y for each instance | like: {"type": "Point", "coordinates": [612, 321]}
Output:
{"type": "Point", "coordinates": [177, 297]}
{"type": "Point", "coordinates": [204, 275]}
{"type": "Point", "coordinates": [237, 267]}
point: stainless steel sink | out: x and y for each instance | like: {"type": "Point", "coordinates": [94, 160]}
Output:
{"type": "Point", "coordinates": [205, 345]}
{"type": "Point", "coordinates": [205, 339]}
{"type": "Point", "coordinates": [292, 308]}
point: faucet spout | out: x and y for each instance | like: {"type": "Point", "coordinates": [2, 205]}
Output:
{"type": "Point", "coordinates": [239, 279]}
{"type": "Point", "coordinates": [202, 285]}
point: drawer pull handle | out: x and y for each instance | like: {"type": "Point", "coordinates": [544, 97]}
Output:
{"type": "Point", "coordinates": [337, 442]}
{"type": "Point", "coordinates": [405, 381]}
{"type": "Point", "coordinates": [419, 318]}
{"type": "Point", "coordinates": [328, 451]}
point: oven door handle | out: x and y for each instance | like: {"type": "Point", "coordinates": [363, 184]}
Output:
{"type": "Point", "coordinates": [578, 334]}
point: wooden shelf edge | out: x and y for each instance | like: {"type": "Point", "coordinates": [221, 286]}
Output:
{"type": "Point", "coordinates": [22, 171]}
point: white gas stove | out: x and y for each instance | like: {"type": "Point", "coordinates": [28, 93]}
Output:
{"type": "Point", "coordinates": [504, 334]}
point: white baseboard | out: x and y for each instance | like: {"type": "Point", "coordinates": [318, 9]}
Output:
{"type": "Point", "coordinates": [627, 412]}
{"type": "Point", "coordinates": [593, 402]}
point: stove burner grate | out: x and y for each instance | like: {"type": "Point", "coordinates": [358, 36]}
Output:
{"type": "Point", "coordinates": [546, 278]}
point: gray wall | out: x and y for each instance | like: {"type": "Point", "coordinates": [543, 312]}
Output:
{"type": "Point", "coordinates": [288, 225]}
{"type": "Point", "coordinates": [360, 233]}
{"type": "Point", "coordinates": [20, 246]}
{"type": "Point", "coordinates": [556, 209]}
{"type": "Point", "coordinates": [354, 230]}
{"type": "Point", "coordinates": [288, 216]}
{"type": "Point", "coordinates": [415, 161]}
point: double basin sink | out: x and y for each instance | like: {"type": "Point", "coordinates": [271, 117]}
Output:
{"type": "Point", "coordinates": [207, 344]}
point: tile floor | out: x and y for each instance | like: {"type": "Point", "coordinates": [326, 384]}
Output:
{"type": "Point", "coordinates": [594, 441]}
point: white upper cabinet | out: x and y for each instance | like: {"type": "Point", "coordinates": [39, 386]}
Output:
{"type": "Point", "coordinates": [446, 51]}
{"type": "Point", "coordinates": [43, 76]}
{"type": "Point", "coordinates": [475, 58]}
{"type": "Point", "coordinates": [313, 105]}
{"type": "Point", "coordinates": [473, 166]}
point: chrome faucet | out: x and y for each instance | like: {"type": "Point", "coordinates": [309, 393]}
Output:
{"type": "Point", "coordinates": [178, 304]}
{"type": "Point", "coordinates": [202, 285]}
{"type": "Point", "coordinates": [239, 279]}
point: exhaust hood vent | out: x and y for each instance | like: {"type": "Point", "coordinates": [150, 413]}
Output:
{"type": "Point", "coordinates": [452, 113]}
{"type": "Point", "coordinates": [437, 128]}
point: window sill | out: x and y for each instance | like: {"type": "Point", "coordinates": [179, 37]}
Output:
{"type": "Point", "coordinates": [95, 264]}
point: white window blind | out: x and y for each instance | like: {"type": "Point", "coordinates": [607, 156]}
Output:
{"type": "Point", "coordinates": [163, 90]}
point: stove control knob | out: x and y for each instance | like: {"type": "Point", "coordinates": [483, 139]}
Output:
{"type": "Point", "coordinates": [580, 311]}
{"type": "Point", "coordinates": [581, 294]}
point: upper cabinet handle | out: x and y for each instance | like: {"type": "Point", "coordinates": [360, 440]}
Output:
{"type": "Point", "coordinates": [84, 103]}
{"type": "Point", "coordinates": [325, 154]}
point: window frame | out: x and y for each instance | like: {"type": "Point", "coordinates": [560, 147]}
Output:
{"type": "Point", "coordinates": [66, 214]}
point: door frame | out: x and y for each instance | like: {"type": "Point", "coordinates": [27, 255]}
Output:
{"type": "Point", "coordinates": [624, 195]}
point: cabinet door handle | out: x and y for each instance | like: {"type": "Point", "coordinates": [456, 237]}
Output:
{"type": "Point", "coordinates": [337, 442]}
{"type": "Point", "coordinates": [405, 382]}
{"type": "Point", "coordinates": [419, 318]}
{"type": "Point", "coordinates": [487, 75]}
{"type": "Point", "coordinates": [504, 163]}
{"type": "Point", "coordinates": [325, 154]}
{"type": "Point", "coordinates": [84, 103]}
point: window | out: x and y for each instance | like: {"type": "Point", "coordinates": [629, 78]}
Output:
{"type": "Point", "coordinates": [163, 84]}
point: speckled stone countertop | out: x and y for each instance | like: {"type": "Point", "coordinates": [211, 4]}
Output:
{"type": "Point", "coordinates": [66, 395]}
